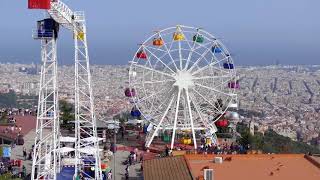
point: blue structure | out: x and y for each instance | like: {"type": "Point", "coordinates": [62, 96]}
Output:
{"type": "Point", "coordinates": [216, 49]}
{"type": "Point", "coordinates": [6, 151]}
{"type": "Point", "coordinates": [135, 113]}
{"type": "Point", "coordinates": [47, 28]}
{"type": "Point", "coordinates": [66, 173]}
{"type": "Point", "coordinates": [228, 65]}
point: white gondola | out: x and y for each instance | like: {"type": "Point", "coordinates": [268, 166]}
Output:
{"type": "Point", "coordinates": [65, 149]}
{"type": "Point", "coordinates": [68, 139]}
{"type": "Point", "coordinates": [92, 139]}
{"type": "Point", "coordinates": [89, 150]}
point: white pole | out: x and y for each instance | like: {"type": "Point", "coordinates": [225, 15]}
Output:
{"type": "Point", "coordinates": [191, 119]}
{"type": "Point", "coordinates": [158, 126]}
{"type": "Point", "coordinates": [175, 119]}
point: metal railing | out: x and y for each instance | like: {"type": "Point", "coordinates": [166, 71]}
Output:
{"type": "Point", "coordinates": [46, 34]}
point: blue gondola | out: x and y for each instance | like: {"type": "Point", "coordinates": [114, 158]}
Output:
{"type": "Point", "coordinates": [135, 113]}
{"type": "Point", "coordinates": [228, 66]}
{"type": "Point", "coordinates": [216, 49]}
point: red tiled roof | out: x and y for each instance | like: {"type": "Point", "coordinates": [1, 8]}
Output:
{"type": "Point", "coordinates": [27, 123]}
{"type": "Point", "coordinates": [256, 167]}
{"type": "Point", "coordinates": [168, 168]}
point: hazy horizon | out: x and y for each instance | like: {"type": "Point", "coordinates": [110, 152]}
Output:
{"type": "Point", "coordinates": [255, 32]}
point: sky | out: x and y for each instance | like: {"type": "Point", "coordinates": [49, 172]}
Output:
{"type": "Point", "coordinates": [256, 32]}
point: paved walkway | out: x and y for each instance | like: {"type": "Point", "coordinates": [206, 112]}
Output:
{"type": "Point", "coordinates": [134, 170]}
{"type": "Point", "coordinates": [124, 146]}
{"type": "Point", "coordinates": [17, 151]}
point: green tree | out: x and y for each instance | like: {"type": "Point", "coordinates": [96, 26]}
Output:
{"type": "Point", "coordinates": [8, 100]}
{"type": "Point", "coordinates": [271, 142]}
{"type": "Point", "coordinates": [4, 118]}
{"type": "Point", "coordinates": [66, 112]}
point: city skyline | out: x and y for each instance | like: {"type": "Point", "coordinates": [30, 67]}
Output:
{"type": "Point", "coordinates": [256, 33]}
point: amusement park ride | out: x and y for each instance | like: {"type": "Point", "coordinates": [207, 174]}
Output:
{"type": "Point", "coordinates": [182, 79]}
{"type": "Point", "coordinates": [47, 162]}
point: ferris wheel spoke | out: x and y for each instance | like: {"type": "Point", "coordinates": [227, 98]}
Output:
{"type": "Point", "coordinates": [153, 82]}
{"type": "Point", "coordinates": [204, 45]}
{"type": "Point", "coordinates": [213, 89]}
{"type": "Point", "coordinates": [191, 51]}
{"type": "Point", "coordinates": [153, 94]}
{"type": "Point", "coordinates": [220, 69]}
{"type": "Point", "coordinates": [219, 111]}
{"type": "Point", "coordinates": [153, 48]}
{"type": "Point", "coordinates": [199, 59]}
{"type": "Point", "coordinates": [180, 55]}
{"type": "Point", "coordinates": [197, 107]}
{"type": "Point", "coordinates": [168, 94]}
{"type": "Point", "coordinates": [153, 70]}
{"type": "Point", "coordinates": [160, 122]}
{"type": "Point", "coordinates": [209, 65]}
{"type": "Point", "coordinates": [222, 82]}
{"type": "Point", "coordinates": [165, 45]}
{"type": "Point", "coordinates": [159, 59]}
{"type": "Point", "coordinates": [211, 77]}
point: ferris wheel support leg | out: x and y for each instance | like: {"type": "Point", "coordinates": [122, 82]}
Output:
{"type": "Point", "coordinates": [212, 127]}
{"type": "Point", "coordinates": [158, 126]}
{"type": "Point", "coordinates": [191, 120]}
{"type": "Point", "coordinates": [175, 119]}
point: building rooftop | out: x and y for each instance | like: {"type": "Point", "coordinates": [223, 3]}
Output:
{"type": "Point", "coordinates": [240, 167]}
{"type": "Point", "coordinates": [255, 166]}
{"type": "Point", "coordinates": [169, 168]}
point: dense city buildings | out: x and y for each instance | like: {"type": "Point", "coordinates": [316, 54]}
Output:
{"type": "Point", "coordinates": [283, 98]}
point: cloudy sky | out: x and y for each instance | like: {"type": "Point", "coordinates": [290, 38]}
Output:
{"type": "Point", "coordinates": [256, 32]}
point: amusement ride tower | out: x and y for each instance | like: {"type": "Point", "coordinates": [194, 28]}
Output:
{"type": "Point", "coordinates": [47, 150]}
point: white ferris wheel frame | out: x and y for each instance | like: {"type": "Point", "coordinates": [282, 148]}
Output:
{"type": "Point", "coordinates": [181, 86]}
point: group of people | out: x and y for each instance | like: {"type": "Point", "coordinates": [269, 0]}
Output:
{"type": "Point", "coordinates": [8, 167]}
{"type": "Point", "coordinates": [222, 149]}
{"type": "Point", "coordinates": [133, 158]}
{"type": "Point", "coordinates": [16, 111]}
{"type": "Point", "coordinates": [26, 155]}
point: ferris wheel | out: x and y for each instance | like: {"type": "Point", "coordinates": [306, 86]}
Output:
{"type": "Point", "coordinates": [182, 79]}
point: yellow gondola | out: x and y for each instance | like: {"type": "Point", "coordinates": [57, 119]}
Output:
{"type": "Point", "coordinates": [177, 36]}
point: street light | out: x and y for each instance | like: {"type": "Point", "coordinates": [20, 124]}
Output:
{"type": "Point", "coordinates": [114, 125]}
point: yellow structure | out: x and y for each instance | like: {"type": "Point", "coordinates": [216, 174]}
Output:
{"type": "Point", "coordinates": [177, 36]}
{"type": "Point", "coordinates": [80, 36]}
{"type": "Point", "coordinates": [186, 141]}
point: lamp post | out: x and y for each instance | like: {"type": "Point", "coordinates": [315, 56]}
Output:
{"type": "Point", "coordinates": [115, 127]}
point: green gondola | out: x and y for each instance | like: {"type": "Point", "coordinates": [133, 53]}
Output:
{"type": "Point", "coordinates": [198, 38]}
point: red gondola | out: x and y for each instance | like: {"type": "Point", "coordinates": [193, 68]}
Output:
{"type": "Point", "coordinates": [222, 123]}
{"type": "Point", "coordinates": [142, 55]}
{"type": "Point", "coordinates": [129, 92]}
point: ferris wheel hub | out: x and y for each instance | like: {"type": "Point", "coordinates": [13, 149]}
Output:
{"type": "Point", "coordinates": [184, 79]}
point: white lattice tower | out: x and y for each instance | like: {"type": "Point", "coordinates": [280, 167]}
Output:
{"type": "Point", "coordinates": [45, 156]}
{"type": "Point", "coordinates": [84, 109]}
{"type": "Point", "coordinates": [46, 162]}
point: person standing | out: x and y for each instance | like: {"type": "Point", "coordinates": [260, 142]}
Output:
{"type": "Point", "coordinates": [127, 172]}
{"type": "Point", "coordinates": [134, 158]}
{"type": "Point", "coordinates": [110, 175]}
{"type": "Point", "coordinates": [24, 151]}
{"type": "Point", "coordinates": [167, 151]}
